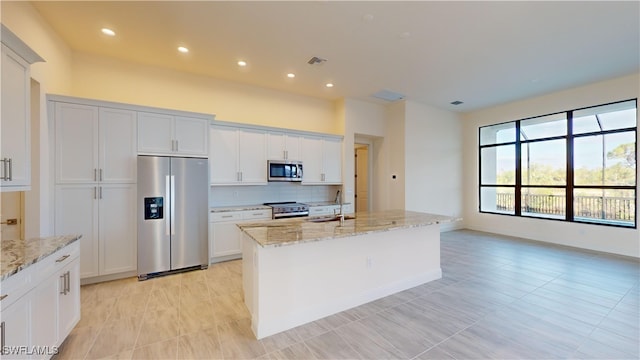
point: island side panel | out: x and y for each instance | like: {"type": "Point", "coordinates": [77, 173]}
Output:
{"type": "Point", "coordinates": [296, 284]}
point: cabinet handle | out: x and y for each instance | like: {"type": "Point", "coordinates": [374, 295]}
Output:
{"type": "Point", "coordinates": [286, 154]}
{"type": "Point", "coordinates": [2, 342]}
{"type": "Point", "coordinates": [227, 216]}
{"type": "Point", "coordinates": [63, 277]}
{"type": "Point", "coordinates": [95, 174]}
{"type": "Point", "coordinates": [67, 282]}
{"type": "Point", "coordinates": [256, 214]}
{"type": "Point", "coordinates": [100, 174]}
{"type": "Point", "coordinates": [10, 169]}
{"type": "Point", "coordinates": [4, 170]}
{"type": "Point", "coordinates": [63, 258]}
{"type": "Point", "coordinates": [177, 145]}
{"type": "Point", "coordinates": [240, 175]}
{"type": "Point", "coordinates": [100, 191]}
{"type": "Point", "coordinates": [3, 297]}
{"type": "Point", "coordinates": [95, 192]}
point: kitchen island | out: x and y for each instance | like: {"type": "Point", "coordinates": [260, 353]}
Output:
{"type": "Point", "coordinates": [297, 270]}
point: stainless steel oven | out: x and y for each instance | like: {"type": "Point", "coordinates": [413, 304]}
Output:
{"type": "Point", "coordinates": [282, 210]}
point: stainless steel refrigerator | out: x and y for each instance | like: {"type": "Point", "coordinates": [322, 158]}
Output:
{"type": "Point", "coordinates": [172, 215]}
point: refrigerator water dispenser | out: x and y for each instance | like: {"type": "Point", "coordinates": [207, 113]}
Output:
{"type": "Point", "coordinates": [153, 208]}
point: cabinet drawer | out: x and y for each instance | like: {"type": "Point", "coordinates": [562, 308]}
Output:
{"type": "Point", "coordinates": [256, 214]}
{"type": "Point", "coordinates": [56, 261]}
{"type": "Point", "coordinates": [15, 287]}
{"type": "Point", "coordinates": [225, 216]}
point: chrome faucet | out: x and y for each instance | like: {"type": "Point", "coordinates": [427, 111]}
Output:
{"type": "Point", "coordinates": [341, 213]}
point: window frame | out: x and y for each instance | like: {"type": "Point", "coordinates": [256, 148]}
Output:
{"type": "Point", "coordinates": [569, 185]}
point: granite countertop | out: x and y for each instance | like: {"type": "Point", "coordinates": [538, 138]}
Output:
{"type": "Point", "coordinates": [20, 254]}
{"type": "Point", "coordinates": [239, 208]}
{"type": "Point", "coordinates": [300, 230]}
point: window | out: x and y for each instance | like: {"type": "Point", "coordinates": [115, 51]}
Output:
{"type": "Point", "coordinates": [578, 165]}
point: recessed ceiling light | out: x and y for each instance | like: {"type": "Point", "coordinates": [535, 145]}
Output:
{"type": "Point", "coordinates": [183, 49]}
{"type": "Point", "coordinates": [108, 32]}
{"type": "Point", "coordinates": [405, 35]}
{"type": "Point", "coordinates": [329, 85]}
{"type": "Point", "coordinates": [242, 63]}
{"type": "Point", "coordinates": [291, 75]}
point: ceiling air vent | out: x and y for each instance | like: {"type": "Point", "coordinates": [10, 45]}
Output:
{"type": "Point", "coordinates": [388, 95]}
{"type": "Point", "coordinates": [457, 102]}
{"type": "Point", "coordinates": [316, 60]}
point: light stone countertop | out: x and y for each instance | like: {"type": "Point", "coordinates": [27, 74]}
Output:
{"type": "Point", "coordinates": [239, 208]}
{"type": "Point", "coordinates": [20, 254]}
{"type": "Point", "coordinates": [300, 230]}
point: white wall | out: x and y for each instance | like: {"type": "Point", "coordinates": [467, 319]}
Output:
{"type": "Point", "coordinates": [595, 237]}
{"type": "Point", "coordinates": [364, 119]}
{"type": "Point", "coordinates": [433, 161]}
{"type": "Point", "coordinates": [394, 147]}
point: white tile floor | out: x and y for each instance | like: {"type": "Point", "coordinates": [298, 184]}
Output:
{"type": "Point", "coordinates": [499, 298]}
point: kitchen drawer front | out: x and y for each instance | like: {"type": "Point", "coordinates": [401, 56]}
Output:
{"type": "Point", "coordinates": [14, 287]}
{"type": "Point", "coordinates": [56, 261]}
{"type": "Point", "coordinates": [225, 216]}
{"type": "Point", "coordinates": [256, 215]}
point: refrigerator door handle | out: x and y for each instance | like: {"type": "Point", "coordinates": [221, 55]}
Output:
{"type": "Point", "coordinates": [167, 197]}
{"type": "Point", "coordinates": [173, 205]}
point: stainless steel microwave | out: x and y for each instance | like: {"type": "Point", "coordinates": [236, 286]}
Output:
{"type": "Point", "coordinates": [282, 170]}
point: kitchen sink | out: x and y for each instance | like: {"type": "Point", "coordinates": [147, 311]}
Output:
{"type": "Point", "coordinates": [329, 218]}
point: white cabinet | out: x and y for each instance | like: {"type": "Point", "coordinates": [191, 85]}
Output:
{"type": "Point", "coordinates": [15, 90]}
{"type": "Point", "coordinates": [15, 160]}
{"type": "Point", "coordinates": [322, 160]}
{"type": "Point", "coordinates": [95, 191]}
{"type": "Point", "coordinates": [323, 210]}
{"type": "Point", "coordinates": [164, 134]}
{"type": "Point", "coordinates": [237, 156]}
{"type": "Point", "coordinates": [41, 305]}
{"type": "Point", "coordinates": [94, 144]}
{"type": "Point", "coordinates": [105, 215]}
{"type": "Point", "coordinates": [283, 146]}
{"type": "Point", "coordinates": [225, 239]}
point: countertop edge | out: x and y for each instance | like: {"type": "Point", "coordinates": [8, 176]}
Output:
{"type": "Point", "coordinates": [64, 241]}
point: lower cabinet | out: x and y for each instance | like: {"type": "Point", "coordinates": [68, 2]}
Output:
{"type": "Point", "coordinates": [105, 216]}
{"type": "Point", "coordinates": [225, 239]}
{"type": "Point", "coordinates": [41, 305]}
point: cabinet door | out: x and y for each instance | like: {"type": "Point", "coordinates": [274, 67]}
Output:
{"type": "Point", "coordinates": [69, 301]}
{"type": "Point", "coordinates": [276, 149]}
{"type": "Point", "coordinates": [332, 161]}
{"type": "Point", "coordinates": [118, 150]}
{"type": "Point", "coordinates": [226, 239]}
{"type": "Point", "coordinates": [311, 149]}
{"type": "Point", "coordinates": [76, 143]}
{"type": "Point", "coordinates": [155, 133]}
{"type": "Point", "coordinates": [118, 228]}
{"type": "Point", "coordinates": [292, 147]}
{"type": "Point", "coordinates": [191, 136]}
{"type": "Point", "coordinates": [77, 213]}
{"type": "Point", "coordinates": [44, 312]}
{"type": "Point", "coordinates": [252, 160]}
{"type": "Point", "coordinates": [223, 155]}
{"type": "Point", "coordinates": [15, 327]}
{"type": "Point", "coordinates": [15, 119]}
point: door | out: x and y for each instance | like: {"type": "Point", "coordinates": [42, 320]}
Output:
{"type": "Point", "coordinates": [44, 312]}
{"type": "Point", "coordinates": [189, 212]}
{"type": "Point", "coordinates": [16, 320]}
{"type": "Point", "coordinates": [69, 301]}
{"type": "Point", "coordinates": [362, 177]}
{"type": "Point", "coordinates": [16, 135]}
{"type": "Point", "coordinates": [118, 150]}
{"type": "Point", "coordinates": [155, 133]}
{"type": "Point", "coordinates": [117, 228]}
{"type": "Point", "coordinates": [154, 232]}
{"type": "Point", "coordinates": [332, 161]}
{"type": "Point", "coordinates": [191, 136]}
{"type": "Point", "coordinates": [77, 213]}
{"type": "Point", "coordinates": [252, 160]}
{"type": "Point", "coordinates": [11, 215]}
{"type": "Point", "coordinates": [77, 131]}
{"type": "Point", "coordinates": [223, 154]}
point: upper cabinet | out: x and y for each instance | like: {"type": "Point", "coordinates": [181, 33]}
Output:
{"type": "Point", "coordinates": [15, 156]}
{"type": "Point", "coordinates": [94, 144]}
{"type": "Point", "coordinates": [322, 160]}
{"type": "Point", "coordinates": [164, 134]}
{"type": "Point", "coordinates": [283, 146]}
{"type": "Point", "coordinates": [237, 156]}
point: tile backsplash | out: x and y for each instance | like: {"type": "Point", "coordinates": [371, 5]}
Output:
{"type": "Point", "coordinates": [272, 192]}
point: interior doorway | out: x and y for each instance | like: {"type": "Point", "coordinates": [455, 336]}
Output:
{"type": "Point", "coordinates": [362, 177]}
{"type": "Point", "coordinates": [12, 205]}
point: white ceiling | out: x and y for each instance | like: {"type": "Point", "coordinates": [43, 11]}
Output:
{"type": "Point", "coordinates": [482, 53]}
